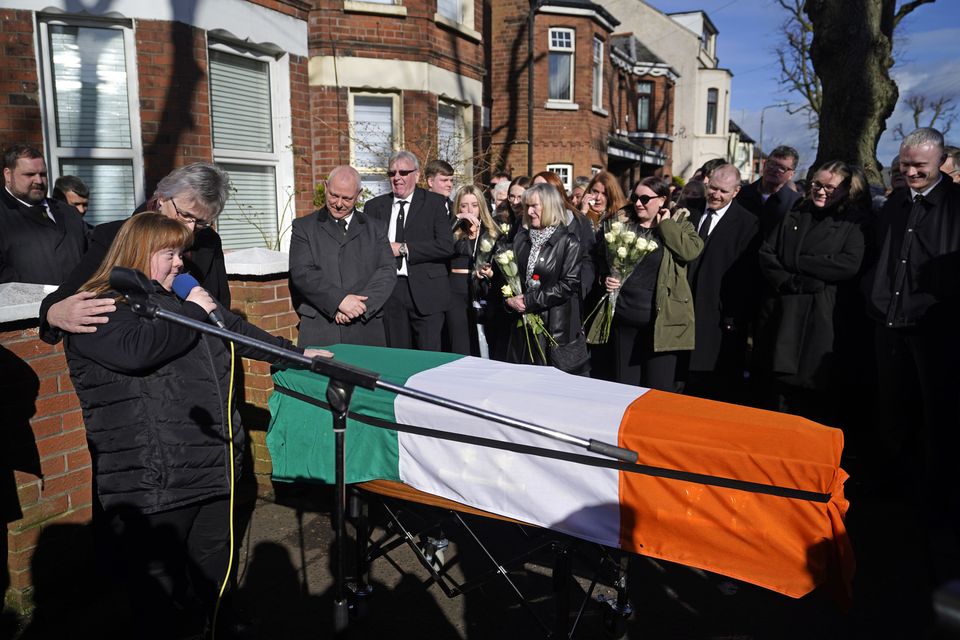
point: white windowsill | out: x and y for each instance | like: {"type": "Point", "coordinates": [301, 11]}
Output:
{"type": "Point", "coordinates": [601, 111]}
{"type": "Point", "coordinates": [459, 27]}
{"type": "Point", "coordinates": [355, 6]}
{"type": "Point", "coordinates": [562, 106]}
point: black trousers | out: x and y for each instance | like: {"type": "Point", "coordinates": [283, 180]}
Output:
{"type": "Point", "coordinates": [405, 326]}
{"type": "Point", "coordinates": [635, 362]}
{"type": "Point", "coordinates": [175, 562]}
{"type": "Point", "coordinates": [457, 325]}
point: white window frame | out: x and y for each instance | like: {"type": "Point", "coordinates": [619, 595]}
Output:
{"type": "Point", "coordinates": [561, 103]}
{"type": "Point", "coordinates": [56, 153]}
{"type": "Point", "coordinates": [597, 68]}
{"type": "Point", "coordinates": [463, 23]}
{"type": "Point", "coordinates": [281, 158]}
{"type": "Point", "coordinates": [397, 124]}
{"type": "Point", "coordinates": [649, 101]}
{"type": "Point", "coordinates": [594, 170]}
{"type": "Point", "coordinates": [463, 168]}
{"type": "Point", "coordinates": [565, 173]}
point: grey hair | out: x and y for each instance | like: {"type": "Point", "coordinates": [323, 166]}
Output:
{"type": "Point", "coordinates": [347, 170]}
{"type": "Point", "coordinates": [923, 136]}
{"type": "Point", "coordinates": [403, 154]}
{"type": "Point", "coordinates": [552, 212]}
{"type": "Point", "coordinates": [581, 181]}
{"type": "Point", "coordinates": [206, 183]}
{"type": "Point", "coordinates": [501, 187]}
{"type": "Point", "coordinates": [785, 151]}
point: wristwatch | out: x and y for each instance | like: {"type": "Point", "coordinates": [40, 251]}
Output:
{"type": "Point", "coordinates": [403, 249]}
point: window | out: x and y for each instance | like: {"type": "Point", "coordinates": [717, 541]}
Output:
{"type": "Point", "coordinates": [454, 138]}
{"type": "Point", "coordinates": [565, 171]}
{"type": "Point", "coordinates": [712, 97]}
{"type": "Point", "coordinates": [594, 170]}
{"type": "Point", "coordinates": [247, 144]}
{"type": "Point", "coordinates": [644, 102]}
{"type": "Point", "coordinates": [373, 137]}
{"type": "Point", "coordinates": [92, 113]}
{"type": "Point", "coordinates": [451, 9]}
{"type": "Point", "coordinates": [560, 65]}
{"type": "Point", "coordinates": [597, 73]}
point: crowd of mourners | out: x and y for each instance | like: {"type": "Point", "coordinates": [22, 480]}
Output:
{"type": "Point", "coordinates": [816, 297]}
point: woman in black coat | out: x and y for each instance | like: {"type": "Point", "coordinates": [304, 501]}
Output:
{"type": "Point", "coordinates": [159, 427]}
{"type": "Point", "coordinates": [547, 255]}
{"type": "Point", "coordinates": [810, 262]}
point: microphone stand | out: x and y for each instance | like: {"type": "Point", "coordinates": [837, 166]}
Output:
{"type": "Point", "coordinates": [343, 378]}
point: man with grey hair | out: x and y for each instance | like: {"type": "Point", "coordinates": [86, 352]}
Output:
{"type": "Point", "coordinates": [419, 232]}
{"type": "Point", "coordinates": [913, 292]}
{"type": "Point", "coordinates": [341, 268]}
{"type": "Point", "coordinates": [723, 280]}
{"type": "Point", "coordinates": [195, 195]}
{"type": "Point", "coordinates": [770, 197]}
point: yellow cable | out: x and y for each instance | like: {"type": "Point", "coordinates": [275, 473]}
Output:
{"type": "Point", "coordinates": [226, 578]}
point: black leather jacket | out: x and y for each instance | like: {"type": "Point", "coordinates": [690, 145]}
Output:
{"type": "Point", "coordinates": [557, 299]}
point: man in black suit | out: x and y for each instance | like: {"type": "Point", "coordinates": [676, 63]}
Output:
{"type": "Point", "coordinates": [195, 195]}
{"type": "Point", "coordinates": [341, 269]}
{"type": "Point", "coordinates": [41, 239]}
{"type": "Point", "coordinates": [419, 232]}
{"type": "Point", "coordinates": [771, 197]}
{"type": "Point", "coordinates": [724, 281]}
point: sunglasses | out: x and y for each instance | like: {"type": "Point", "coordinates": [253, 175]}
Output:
{"type": "Point", "coordinates": [403, 172]}
{"type": "Point", "coordinates": [644, 199]}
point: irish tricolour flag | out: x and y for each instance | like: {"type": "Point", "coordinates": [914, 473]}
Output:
{"type": "Point", "coordinates": [747, 493]}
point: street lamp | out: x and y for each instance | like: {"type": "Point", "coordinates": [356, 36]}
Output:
{"type": "Point", "coordinates": [762, 112]}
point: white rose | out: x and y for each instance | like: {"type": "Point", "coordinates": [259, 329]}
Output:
{"type": "Point", "coordinates": [610, 237]}
{"type": "Point", "coordinates": [509, 253]}
{"type": "Point", "coordinates": [642, 243]}
{"type": "Point", "coordinates": [504, 228]}
{"type": "Point", "coordinates": [506, 291]}
{"type": "Point", "coordinates": [652, 246]}
{"type": "Point", "coordinates": [616, 227]}
{"type": "Point", "coordinates": [501, 258]}
{"type": "Point", "coordinates": [486, 245]}
{"type": "Point", "coordinates": [628, 236]}
{"type": "Point", "coordinates": [622, 252]}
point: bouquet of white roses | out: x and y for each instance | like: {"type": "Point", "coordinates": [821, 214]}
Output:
{"type": "Point", "coordinates": [485, 247]}
{"type": "Point", "coordinates": [625, 249]}
{"type": "Point", "coordinates": [532, 323]}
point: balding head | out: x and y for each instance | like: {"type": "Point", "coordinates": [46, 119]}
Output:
{"type": "Point", "coordinates": [723, 187]}
{"type": "Point", "coordinates": [343, 187]}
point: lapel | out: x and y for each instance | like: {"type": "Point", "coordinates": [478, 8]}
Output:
{"type": "Point", "coordinates": [416, 204]}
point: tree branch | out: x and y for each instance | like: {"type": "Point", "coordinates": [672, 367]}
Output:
{"type": "Point", "coordinates": [907, 8]}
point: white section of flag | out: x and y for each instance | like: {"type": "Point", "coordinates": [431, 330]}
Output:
{"type": "Point", "coordinates": [573, 498]}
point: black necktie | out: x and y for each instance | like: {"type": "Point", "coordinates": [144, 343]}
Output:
{"type": "Point", "coordinates": [705, 225]}
{"type": "Point", "coordinates": [399, 233]}
{"type": "Point", "coordinates": [342, 223]}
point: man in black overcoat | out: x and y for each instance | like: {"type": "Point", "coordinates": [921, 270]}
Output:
{"type": "Point", "coordinates": [195, 195]}
{"type": "Point", "coordinates": [342, 270]}
{"type": "Point", "coordinates": [913, 292]}
{"type": "Point", "coordinates": [770, 197]}
{"type": "Point", "coordinates": [41, 240]}
{"type": "Point", "coordinates": [724, 280]}
{"type": "Point", "coordinates": [419, 232]}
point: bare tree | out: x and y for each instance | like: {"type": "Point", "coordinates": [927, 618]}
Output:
{"type": "Point", "coordinates": [940, 113]}
{"type": "Point", "coordinates": [796, 69]}
{"type": "Point", "coordinates": [852, 53]}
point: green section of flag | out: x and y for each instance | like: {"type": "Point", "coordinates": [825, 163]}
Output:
{"type": "Point", "coordinates": [300, 436]}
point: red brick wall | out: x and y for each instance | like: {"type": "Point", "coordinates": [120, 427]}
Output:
{"type": "Point", "coordinates": [19, 85]}
{"type": "Point", "coordinates": [559, 136]}
{"type": "Point", "coordinates": [301, 131]}
{"type": "Point", "coordinates": [48, 454]}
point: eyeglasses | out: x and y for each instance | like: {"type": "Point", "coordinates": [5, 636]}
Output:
{"type": "Point", "coordinates": [826, 188]}
{"type": "Point", "coordinates": [198, 223]}
{"type": "Point", "coordinates": [402, 172]}
{"type": "Point", "coordinates": [779, 168]}
{"type": "Point", "coordinates": [644, 199]}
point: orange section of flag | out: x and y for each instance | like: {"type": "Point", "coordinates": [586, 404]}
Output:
{"type": "Point", "coordinates": [786, 544]}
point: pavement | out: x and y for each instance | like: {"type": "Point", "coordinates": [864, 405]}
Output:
{"type": "Point", "coordinates": [285, 586]}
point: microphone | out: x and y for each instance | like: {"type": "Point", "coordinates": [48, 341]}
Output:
{"type": "Point", "coordinates": [183, 284]}
{"type": "Point", "coordinates": [130, 282]}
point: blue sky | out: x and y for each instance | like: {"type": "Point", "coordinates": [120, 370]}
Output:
{"type": "Point", "coordinates": [928, 43]}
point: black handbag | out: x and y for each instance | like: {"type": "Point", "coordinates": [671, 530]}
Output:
{"type": "Point", "coordinates": [571, 357]}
